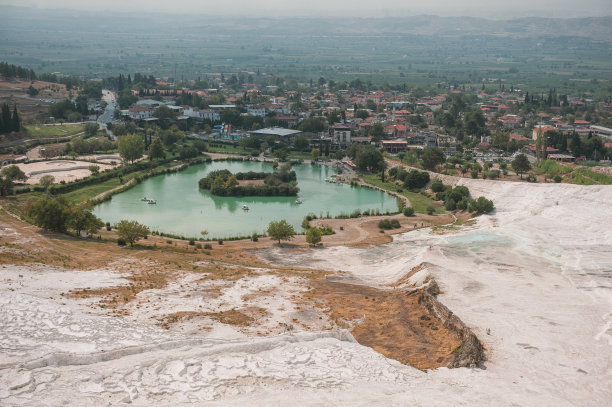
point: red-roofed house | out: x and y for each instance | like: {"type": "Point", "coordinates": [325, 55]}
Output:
{"type": "Point", "coordinates": [511, 121]}
{"type": "Point", "coordinates": [396, 130]}
{"type": "Point", "coordinates": [290, 120]}
{"type": "Point", "coordinates": [483, 146]}
{"type": "Point", "coordinates": [537, 129]}
{"type": "Point", "coordinates": [531, 149]}
{"type": "Point", "coordinates": [365, 125]}
{"type": "Point", "coordinates": [517, 137]}
{"type": "Point", "coordinates": [394, 146]}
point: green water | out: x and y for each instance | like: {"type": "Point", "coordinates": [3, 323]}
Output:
{"type": "Point", "coordinates": [183, 209]}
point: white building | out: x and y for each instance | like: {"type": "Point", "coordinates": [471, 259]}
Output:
{"type": "Point", "coordinates": [140, 112]}
{"type": "Point", "coordinates": [257, 110]}
{"type": "Point", "coordinates": [341, 135]}
{"type": "Point", "coordinates": [201, 114]}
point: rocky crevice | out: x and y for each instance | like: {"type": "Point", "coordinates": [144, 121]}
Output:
{"type": "Point", "coordinates": [471, 352]}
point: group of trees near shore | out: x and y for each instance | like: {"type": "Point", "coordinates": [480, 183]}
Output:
{"type": "Point", "coordinates": [458, 198]}
{"type": "Point", "coordinates": [413, 179]}
{"type": "Point", "coordinates": [56, 213]}
{"type": "Point", "coordinates": [224, 183]}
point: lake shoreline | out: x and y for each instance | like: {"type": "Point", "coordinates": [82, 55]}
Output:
{"type": "Point", "coordinates": [181, 206]}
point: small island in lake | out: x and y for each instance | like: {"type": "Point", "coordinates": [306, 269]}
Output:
{"type": "Point", "coordinates": [224, 183]}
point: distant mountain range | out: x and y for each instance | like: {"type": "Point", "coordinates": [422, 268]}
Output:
{"type": "Point", "coordinates": [596, 28]}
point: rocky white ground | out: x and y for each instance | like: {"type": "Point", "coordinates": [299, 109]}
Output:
{"type": "Point", "coordinates": [532, 280]}
{"type": "Point", "coordinates": [61, 170]}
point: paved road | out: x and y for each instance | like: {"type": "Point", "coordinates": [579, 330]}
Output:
{"type": "Point", "coordinates": [109, 113]}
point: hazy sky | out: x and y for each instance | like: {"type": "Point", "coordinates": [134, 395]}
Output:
{"type": "Point", "coordinates": [498, 9]}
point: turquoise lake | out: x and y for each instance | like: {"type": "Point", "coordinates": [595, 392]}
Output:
{"type": "Point", "coordinates": [184, 209]}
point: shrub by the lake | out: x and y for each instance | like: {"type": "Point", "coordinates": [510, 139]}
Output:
{"type": "Point", "coordinates": [387, 224]}
{"type": "Point", "coordinates": [409, 211]}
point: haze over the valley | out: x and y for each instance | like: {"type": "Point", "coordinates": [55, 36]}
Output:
{"type": "Point", "coordinates": [341, 8]}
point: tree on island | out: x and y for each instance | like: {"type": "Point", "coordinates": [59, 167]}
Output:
{"type": "Point", "coordinates": [131, 147]}
{"type": "Point", "coordinates": [131, 231]}
{"type": "Point", "coordinates": [521, 164]}
{"type": "Point", "coordinates": [280, 230]}
{"type": "Point", "coordinates": [224, 183]}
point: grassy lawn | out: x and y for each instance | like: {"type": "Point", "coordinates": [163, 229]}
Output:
{"type": "Point", "coordinates": [584, 176]}
{"type": "Point", "coordinates": [34, 131]}
{"type": "Point", "coordinates": [228, 149]}
{"type": "Point", "coordinates": [419, 202]}
{"type": "Point", "coordinates": [89, 191]}
{"type": "Point", "coordinates": [300, 155]}
{"type": "Point", "coordinates": [17, 203]}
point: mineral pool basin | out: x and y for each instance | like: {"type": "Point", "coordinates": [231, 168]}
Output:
{"type": "Point", "coordinates": [184, 209]}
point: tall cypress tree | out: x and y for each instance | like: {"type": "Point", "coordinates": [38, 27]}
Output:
{"type": "Point", "coordinates": [6, 118]}
{"type": "Point", "coordinates": [15, 124]}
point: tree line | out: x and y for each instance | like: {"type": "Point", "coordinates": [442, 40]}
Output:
{"type": "Point", "coordinates": [224, 183]}
{"type": "Point", "coordinates": [10, 71]}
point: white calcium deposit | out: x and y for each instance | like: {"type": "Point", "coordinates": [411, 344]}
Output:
{"type": "Point", "coordinates": [532, 280]}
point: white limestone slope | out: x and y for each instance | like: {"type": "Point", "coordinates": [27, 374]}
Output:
{"type": "Point", "coordinates": [532, 280]}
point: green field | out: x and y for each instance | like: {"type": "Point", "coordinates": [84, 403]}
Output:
{"type": "Point", "coordinates": [228, 149]}
{"type": "Point", "coordinates": [90, 191]}
{"type": "Point", "coordinates": [584, 176]}
{"type": "Point", "coordinates": [64, 130]}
